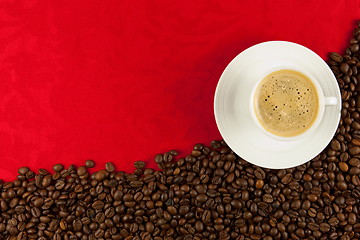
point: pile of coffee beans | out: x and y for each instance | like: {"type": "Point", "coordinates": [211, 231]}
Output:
{"type": "Point", "coordinates": [209, 194]}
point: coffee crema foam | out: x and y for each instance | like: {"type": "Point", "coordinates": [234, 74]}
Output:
{"type": "Point", "coordinates": [286, 103]}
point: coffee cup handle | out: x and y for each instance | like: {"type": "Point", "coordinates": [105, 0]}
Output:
{"type": "Point", "coordinates": [330, 100]}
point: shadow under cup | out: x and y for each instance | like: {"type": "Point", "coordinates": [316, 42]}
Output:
{"type": "Point", "coordinates": [286, 75]}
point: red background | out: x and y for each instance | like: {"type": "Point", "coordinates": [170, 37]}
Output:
{"type": "Point", "coordinates": [123, 80]}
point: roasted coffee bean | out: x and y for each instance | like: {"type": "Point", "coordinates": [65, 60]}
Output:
{"type": "Point", "coordinates": [43, 172]}
{"type": "Point", "coordinates": [259, 184]}
{"type": "Point", "coordinates": [343, 166]}
{"type": "Point", "coordinates": [97, 205]}
{"type": "Point", "coordinates": [89, 163]}
{"type": "Point", "coordinates": [344, 68]}
{"type": "Point", "coordinates": [110, 167]}
{"type": "Point", "coordinates": [159, 158]}
{"type": "Point", "coordinates": [341, 185]}
{"type": "Point", "coordinates": [287, 178]}
{"type": "Point", "coordinates": [100, 175]}
{"type": "Point", "coordinates": [118, 195]}
{"type": "Point", "coordinates": [354, 150]}
{"type": "Point", "coordinates": [336, 57]}
{"type": "Point", "coordinates": [22, 236]}
{"type": "Point", "coordinates": [30, 175]}
{"type": "Point", "coordinates": [64, 173]}
{"type": "Point", "coordinates": [355, 179]}
{"type": "Point", "coordinates": [206, 216]}
{"type": "Point", "coordinates": [23, 170]}
{"type": "Point", "coordinates": [356, 227]}
{"type": "Point", "coordinates": [46, 181]}
{"type": "Point", "coordinates": [324, 227]}
{"type": "Point", "coordinates": [268, 198]}
{"type": "Point", "coordinates": [58, 167]}
{"type": "Point", "coordinates": [259, 173]}
{"type": "Point", "coordinates": [312, 212]}
{"type": "Point", "coordinates": [99, 233]}
{"type": "Point", "coordinates": [312, 197]}
{"type": "Point", "coordinates": [81, 171]}
{"type": "Point", "coordinates": [99, 217]}
{"type": "Point", "coordinates": [56, 236]}
{"type": "Point", "coordinates": [59, 185]}
{"type": "Point", "coordinates": [136, 184]}
{"type": "Point", "coordinates": [139, 164]}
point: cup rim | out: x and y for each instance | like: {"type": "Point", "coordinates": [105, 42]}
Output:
{"type": "Point", "coordinates": [321, 104]}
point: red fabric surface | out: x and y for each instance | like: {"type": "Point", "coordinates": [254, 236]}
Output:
{"type": "Point", "coordinates": [123, 80]}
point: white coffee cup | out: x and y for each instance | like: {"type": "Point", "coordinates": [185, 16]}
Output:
{"type": "Point", "coordinates": [322, 102]}
{"type": "Point", "coordinates": [233, 108]}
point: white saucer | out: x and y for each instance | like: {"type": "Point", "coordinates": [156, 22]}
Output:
{"type": "Point", "coordinates": [231, 105]}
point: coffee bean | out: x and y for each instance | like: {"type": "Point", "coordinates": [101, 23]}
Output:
{"type": "Point", "coordinates": [312, 197]}
{"type": "Point", "coordinates": [286, 179]}
{"type": "Point", "coordinates": [99, 217]}
{"type": "Point", "coordinates": [333, 221]}
{"type": "Point", "coordinates": [354, 150]}
{"type": "Point", "coordinates": [312, 212]}
{"type": "Point", "coordinates": [43, 171]}
{"type": "Point", "coordinates": [59, 185]}
{"type": "Point", "coordinates": [195, 153]}
{"type": "Point", "coordinates": [118, 195]}
{"type": "Point", "coordinates": [136, 184]}
{"type": "Point", "coordinates": [110, 167]}
{"type": "Point", "coordinates": [354, 48]}
{"type": "Point", "coordinates": [341, 185]}
{"type": "Point", "coordinates": [201, 198]}
{"type": "Point", "coordinates": [139, 164]}
{"type": "Point", "coordinates": [100, 175]}
{"type": "Point", "coordinates": [355, 125]}
{"type": "Point", "coordinates": [356, 142]}
{"type": "Point", "coordinates": [81, 171]}
{"type": "Point", "coordinates": [128, 197]}
{"type": "Point", "coordinates": [355, 179]}
{"type": "Point", "coordinates": [159, 158]}
{"type": "Point", "coordinates": [335, 145]}
{"type": "Point", "coordinates": [268, 198]}
{"type": "Point", "coordinates": [344, 68]}
{"type": "Point", "coordinates": [64, 173]}
{"type": "Point", "coordinates": [259, 183]}
{"type": "Point", "coordinates": [356, 227]}
{"type": "Point", "coordinates": [343, 166]}
{"type": "Point", "coordinates": [30, 175]}
{"type": "Point", "coordinates": [58, 167]}
{"type": "Point", "coordinates": [56, 236]}
{"type": "Point", "coordinates": [206, 216]}
{"type": "Point", "coordinates": [46, 181]}
{"type": "Point", "coordinates": [97, 205]}
{"type": "Point", "coordinates": [23, 170]}
{"type": "Point", "coordinates": [336, 57]}
{"type": "Point", "coordinates": [35, 212]}
{"type": "Point", "coordinates": [71, 169]}
{"type": "Point", "coordinates": [259, 173]}
{"type": "Point", "coordinates": [149, 227]}
{"type": "Point", "coordinates": [22, 236]}
{"type": "Point", "coordinates": [99, 233]}
{"type": "Point", "coordinates": [89, 163]}
{"type": "Point", "coordinates": [324, 227]}
{"type": "Point", "coordinates": [339, 200]}
{"type": "Point", "coordinates": [77, 225]}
